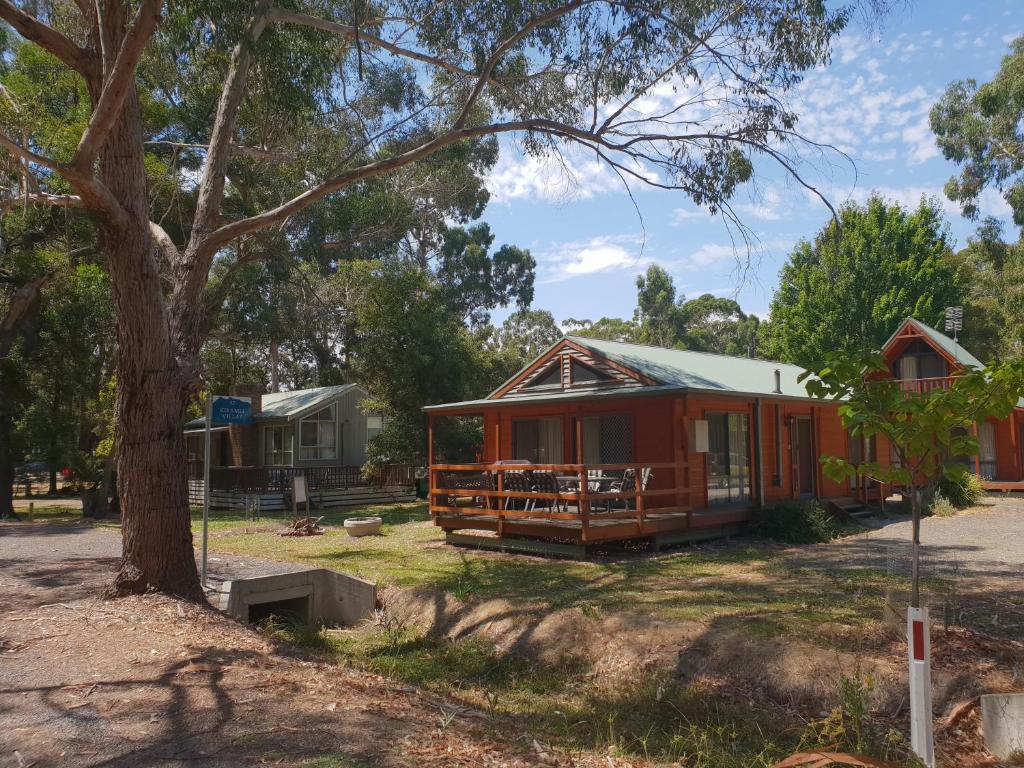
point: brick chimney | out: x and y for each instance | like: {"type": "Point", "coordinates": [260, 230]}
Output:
{"type": "Point", "coordinates": [245, 438]}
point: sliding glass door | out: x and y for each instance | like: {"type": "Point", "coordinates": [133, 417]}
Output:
{"type": "Point", "coordinates": [728, 459]}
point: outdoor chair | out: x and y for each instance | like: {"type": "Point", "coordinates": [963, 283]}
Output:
{"type": "Point", "coordinates": [546, 482]}
{"type": "Point", "coordinates": [518, 482]}
{"type": "Point", "coordinates": [628, 486]}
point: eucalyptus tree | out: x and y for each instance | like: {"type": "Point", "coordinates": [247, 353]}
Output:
{"type": "Point", "coordinates": [279, 106]}
{"type": "Point", "coordinates": [978, 128]}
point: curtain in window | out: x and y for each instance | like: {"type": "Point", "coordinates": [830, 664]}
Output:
{"type": "Point", "coordinates": [908, 367]}
{"type": "Point", "coordinates": [987, 449]}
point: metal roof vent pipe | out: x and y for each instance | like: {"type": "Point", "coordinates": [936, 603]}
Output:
{"type": "Point", "coordinates": [778, 382]}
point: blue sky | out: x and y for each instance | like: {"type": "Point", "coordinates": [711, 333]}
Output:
{"type": "Point", "coordinates": [872, 101]}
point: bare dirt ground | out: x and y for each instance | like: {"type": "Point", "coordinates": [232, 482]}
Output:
{"type": "Point", "coordinates": [151, 681]}
{"type": "Point", "coordinates": [986, 541]}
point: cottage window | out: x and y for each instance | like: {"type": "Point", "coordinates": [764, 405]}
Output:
{"type": "Point", "coordinates": [318, 435]}
{"type": "Point", "coordinates": [374, 425]}
{"type": "Point", "coordinates": [277, 446]}
{"type": "Point", "coordinates": [537, 440]}
{"type": "Point", "coordinates": [728, 459]}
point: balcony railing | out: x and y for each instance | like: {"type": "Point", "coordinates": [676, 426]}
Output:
{"type": "Point", "coordinates": [564, 492]}
{"type": "Point", "coordinates": [279, 479]}
{"type": "Point", "coordinates": [922, 386]}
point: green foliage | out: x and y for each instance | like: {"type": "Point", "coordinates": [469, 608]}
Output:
{"type": "Point", "coordinates": [409, 350]}
{"type": "Point", "coordinates": [977, 127]}
{"type": "Point", "coordinates": [527, 333]}
{"type": "Point", "coordinates": [992, 272]}
{"type": "Point", "coordinates": [961, 490]}
{"type": "Point", "coordinates": [608, 328]}
{"type": "Point", "coordinates": [941, 506]}
{"type": "Point", "coordinates": [707, 323]}
{"type": "Point", "coordinates": [796, 522]}
{"type": "Point", "coordinates": [846, 291]}
{"type": "Point", "coordinates": [656, 313]}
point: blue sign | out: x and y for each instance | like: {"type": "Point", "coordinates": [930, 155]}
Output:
{"type": "Point", "coordinates": [227, 409]}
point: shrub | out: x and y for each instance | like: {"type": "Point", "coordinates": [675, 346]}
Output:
{"type": "Point", "coordinates": [942, 507]}
{"type": "Point", "coordinates": [962, 491]}
{"type": "Point", "coordinates": [796, 522]}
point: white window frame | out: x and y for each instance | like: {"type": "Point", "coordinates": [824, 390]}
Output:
{"type": "Point", "coordinates": [284, 456]}
{"type": "Point", "coordinates": [320, 451]}
{"type": "Point", "coordinates": [377, 428]}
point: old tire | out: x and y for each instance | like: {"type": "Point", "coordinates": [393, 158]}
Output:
{"type": "Point", "coordinates": [363, 526]}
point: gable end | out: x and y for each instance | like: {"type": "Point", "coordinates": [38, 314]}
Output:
{"type": "Point", "coordinates": [567, 367]}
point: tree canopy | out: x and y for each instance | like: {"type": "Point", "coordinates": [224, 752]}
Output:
{"type": "Point", "coordinates": [978, 128]}
{"type": "Point", "coordinates": [846, 291]}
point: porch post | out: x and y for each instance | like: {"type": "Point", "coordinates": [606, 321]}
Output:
{"type": "Point", "coordinates": [430, 462]}
{"type": "Point", "coordinates": [759, 449]}
{"type": "Point", "coordinates": [584, 501]}
{"type": "Point", "coordinates": [680, 449]}
{"type": "Point", "coordinates": [977, 456]}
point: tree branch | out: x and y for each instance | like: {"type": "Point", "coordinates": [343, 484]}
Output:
{"type": "Point", "coordinates": [49, 39]}
{"type": "Point", "coordinates": [27, 154]}
{"type": "Point", "coordinates": [260, 153]}
{"type": "Point", "coordinates": [43, 198]}
{"type": "Point", "coordinates": [118, 82]}
{"type": "Point", "coordinates": [211, 187]}
{"type": "Point", "coordinates": [488, 68]}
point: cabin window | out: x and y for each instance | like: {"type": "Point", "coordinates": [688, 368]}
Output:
{"type": "Point", "coordinates": [728, 458]}
{"type": "Point", "coordinates": [987, 449]}
{"type": "Point", "coordinates": [919, 361]}
{"type": "Point", "coordinates": [318, 435]}
{"type": "Point", "coordinates": [551, 377]}
{"type": "Point", "coordinates": [537, 440]}
{"type": "Point", "coordinates": [374, 425]}
{"type": "Point", "coordinates": [584, 374]}
{"type": "Point", "coordinates": [277, 446]}
{"type": "Point", "coordinates": [607, 438]}
{"type": "Point", "coordinates": [859, 450]}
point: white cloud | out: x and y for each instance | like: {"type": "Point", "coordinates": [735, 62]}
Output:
{"type": "Point", "coordinates": [679, 215]}
{"type": "Point", "coordinates": [920, 141]}
{"type": "Point", "coordinates": [1011, 37]}
{"type": "Point", "coordinates": [603, 253]}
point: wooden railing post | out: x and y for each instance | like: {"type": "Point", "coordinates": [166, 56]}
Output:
{"type": "Point", "coordinates": [500, 499]}
{"type": "Point", "coordinates": [584, 503]}
{"type": "Point", "coordinates": [639, 495]}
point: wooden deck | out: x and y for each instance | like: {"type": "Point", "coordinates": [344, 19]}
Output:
{"type": "Point", "coordinates": [1004, 485]}
{"type": "Point", "coordinates": [473, 497]}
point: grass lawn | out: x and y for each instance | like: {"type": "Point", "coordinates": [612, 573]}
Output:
{"type": "Point", "coordinates": [749, 582]}
{"type": "Point", "coordinates": [743, 592]}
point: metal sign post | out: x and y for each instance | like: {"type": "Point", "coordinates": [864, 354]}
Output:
{"type": "Point", "coordinates": [920, 647]}
{"type": "Point", "coordinates": [206, 489]}
{"type": "Point", "coordinates": [226, 410]}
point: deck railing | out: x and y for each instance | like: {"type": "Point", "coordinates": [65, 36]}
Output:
{"type": "Point", "coordinates": [279, 479]}
{"type": "Point", "coordinates": [921, 386]}
{"type": "Point", "coordinates": [585, 492]}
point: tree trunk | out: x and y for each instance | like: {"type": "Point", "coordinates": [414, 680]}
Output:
{"type": "Point", "coordinates": [155, 373]}
{"type": "Point", "coordinates": [151, 466]}
{"type": "Point", "coordinates": [915, 548]}
{"type": "Point", "coordinates": [53, 477]}
{"type": "Point", "coordinates": [6, 471]}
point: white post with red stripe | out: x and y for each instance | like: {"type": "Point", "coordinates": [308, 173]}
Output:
{"type": "Point", "coordinates": [919, 640]}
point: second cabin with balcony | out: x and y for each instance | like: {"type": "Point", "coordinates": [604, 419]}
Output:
{"type": "Point", "coordinates": [606, 441]}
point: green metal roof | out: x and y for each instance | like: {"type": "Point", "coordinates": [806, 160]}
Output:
{"type": "Point", "coordinates": [673, 370]}
{"type": "Point", "coordinates": [701, 370]}
{"type": "Point", "coordinates": [941, 340]}
{"type": "Point", "coordinates": [287, 405]}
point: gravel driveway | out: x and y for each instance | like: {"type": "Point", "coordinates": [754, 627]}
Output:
{"type": "Point", "coordinates": [56, 555]}
{"type": "Point", "coordinates": [986, 541]}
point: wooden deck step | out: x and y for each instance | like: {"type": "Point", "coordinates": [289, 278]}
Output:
{"type": "Point", "coordinates": [848, 507]}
